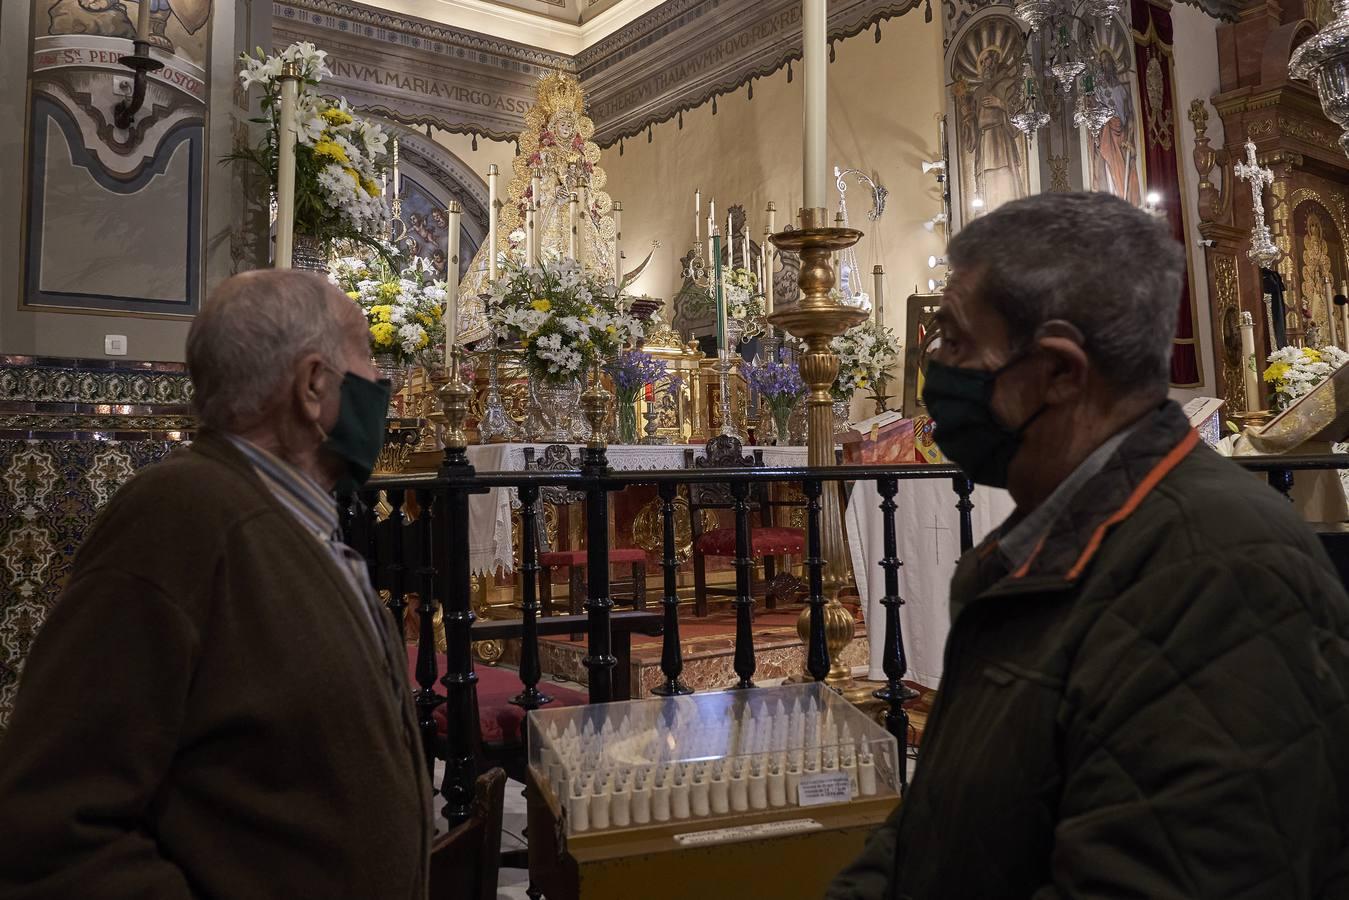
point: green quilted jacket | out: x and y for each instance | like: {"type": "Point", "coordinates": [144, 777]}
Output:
{"type": "Point", "coordinates": [1155, 706]}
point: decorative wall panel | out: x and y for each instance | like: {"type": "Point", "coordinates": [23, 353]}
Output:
{"type": "Point", "coordinates": [71, 433]}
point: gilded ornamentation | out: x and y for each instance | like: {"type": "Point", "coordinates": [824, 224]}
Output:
{"type": "Point", "coordinates": [1058, 174]}
{"type": "Point", "coordinates": [1228, 309]}
{"type": "Point", "coordinates": [648, 527]}
{"type": "Point", "coordinates": [1160, 121]}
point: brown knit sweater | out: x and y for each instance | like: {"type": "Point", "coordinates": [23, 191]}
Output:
{"type": "Point", "coordinates": [206, 715]}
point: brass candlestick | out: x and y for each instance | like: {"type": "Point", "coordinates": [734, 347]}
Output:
{"type": "Point", "coordinates": [817, 319]}
{"type": "Point", "coordinates": [595, 406]}
{"type": "Point", "coordinates": [455, 398]}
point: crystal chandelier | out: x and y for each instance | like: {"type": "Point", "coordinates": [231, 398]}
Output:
{"type": "Point", "coordinates": [1062, 51]}
{"type": "Point", "coordinates": [1323, 59]}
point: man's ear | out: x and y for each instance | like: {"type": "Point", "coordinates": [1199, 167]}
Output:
{"type": "Point", "coordinates": [310, 386]}
{"type": "Point", "coordinates": [1067, 370]}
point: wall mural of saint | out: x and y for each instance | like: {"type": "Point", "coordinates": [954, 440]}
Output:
{"type": "Point", "coordinates": [986, 88]}
{"type": "Point", "coordinates": [1115, 162]}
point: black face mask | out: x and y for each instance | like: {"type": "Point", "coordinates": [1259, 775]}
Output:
{"type": "Point", "coordinates": [358, 435]}
{"type": "Point", "coordinates": [960, 401]}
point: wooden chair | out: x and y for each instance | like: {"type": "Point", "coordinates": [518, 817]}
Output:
{"type": "Point", "coordinates": [465, 860]}
{"type": "Point", "coordinates": [558, 458]}
{"type": "Point", "coordinates": [767, 541]}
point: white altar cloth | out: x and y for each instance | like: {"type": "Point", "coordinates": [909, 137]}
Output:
{"type": "Point", "coordinates": [927, 527]}
{"type": "Point", "coordinates": [490, 545]}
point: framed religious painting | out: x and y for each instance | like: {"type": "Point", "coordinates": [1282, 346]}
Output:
{"type": "Point", "coordinates": [114, 216]}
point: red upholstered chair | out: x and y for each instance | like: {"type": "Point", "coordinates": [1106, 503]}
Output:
{"type": "Point", "coordinates": [558, 458]}
{"type": "Point", "coordinates": [767, 541]}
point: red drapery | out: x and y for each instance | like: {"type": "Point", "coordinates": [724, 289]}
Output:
{"type": "Point", "coordinates": [1160, 133]}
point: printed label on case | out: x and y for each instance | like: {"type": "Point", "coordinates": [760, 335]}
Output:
{"type": "Point", "coordinates": [741, 832]}
{"type": "Point", "coordinates": [826, 787]}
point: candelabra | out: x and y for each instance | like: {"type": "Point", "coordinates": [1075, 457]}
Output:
{"type": "Point", "coordinates": [817, 319]}
{"type": "Point", "coordinates": [496, 424]}
{"type": "Point", "coordinates": [652, 416]}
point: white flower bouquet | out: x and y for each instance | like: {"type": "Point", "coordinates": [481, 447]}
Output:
{"type": "Point", "coordinates": [404, 308]}
{"type": "Point", "coordinates": [339, 157]}
{"type": "Point", "coordinates": [565, 319]}
{"type": "Point", "coordinates": [866, 353]}
{"type": "Point", "coordinates": [740, 291]}
{"type": "Point", "coordinates": [1294, 371]}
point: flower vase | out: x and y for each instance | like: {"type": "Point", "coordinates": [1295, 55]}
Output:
{"type": "Point", "coordinates": [782, 421]}
{"type": "Point", "coordinates": [557, 401]}
{"type": "Point", "coordinates": [309, 253]}
{"type": "Point", "coordinates": [627, 421]}
{"type": "Point", "coordinates": [393, 370]}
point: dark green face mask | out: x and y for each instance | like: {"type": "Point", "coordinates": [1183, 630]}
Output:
{"type": "Point", "coordinates": [358, 434]}
{"type": "Point", "coordinates": [960, 401]}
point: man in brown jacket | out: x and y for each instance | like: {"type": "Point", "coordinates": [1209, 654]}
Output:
{"type": "Point", "coordinates": [217, 706]}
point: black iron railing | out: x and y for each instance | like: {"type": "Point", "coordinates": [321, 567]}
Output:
{"type": "Point", "coordinates": [426, 553]}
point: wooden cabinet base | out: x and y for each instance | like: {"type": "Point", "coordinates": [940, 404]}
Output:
{"type": "Point", "coordinates": [651, 864]}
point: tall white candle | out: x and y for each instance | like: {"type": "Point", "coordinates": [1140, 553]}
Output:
{"type": "Point", "coordinates": [396, 185]}
{"type": "Point", "coordinates": [143, 20]}
{"type": "Point", "coordinates": [285, 167]}
{"type": "Point", "coordinates": [492, 211]}
{"type": "Point", "coordinates": [1343, 312]}
{"type": "Point", "coordinates": [573, 202]}
{"type": "Point", "coordinates": [452, 281]}
{"type": "Point", "coordinates": [697, 216]}
{"type": "Point", "coordinates": [767, 252]}
{"type": "Point", "coordinates": [815, 62]}
{"type": "Point", "coordinates": [772, 217]}
{"type": "Point", "coordinates": [618, 245]}
{"type": "Point", "coordinates": [744, 233]}
{"type": "Point", "coordinates": [1248, 364]}
{"type": "Point", "coordinates": [529, 232]}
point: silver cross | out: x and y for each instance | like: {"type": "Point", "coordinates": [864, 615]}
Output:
{"type": "Point", "coordinates": [1263, 250]}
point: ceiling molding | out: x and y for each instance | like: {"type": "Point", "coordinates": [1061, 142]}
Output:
{"type": "Point", "coordinates": [689, 51]}
{"type": "Point", "coordinates": [677, 56]}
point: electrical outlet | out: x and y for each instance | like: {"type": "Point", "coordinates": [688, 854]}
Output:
{"type": "Point", "coordinates": [114, 345]}
{"type": "Point", "coordinates": [121, 86]}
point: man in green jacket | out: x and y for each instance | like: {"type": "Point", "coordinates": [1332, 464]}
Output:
{"type": "Point", "coordinates": [1146, 685]}
{"type": "Point", "coordinates": [217, 706]}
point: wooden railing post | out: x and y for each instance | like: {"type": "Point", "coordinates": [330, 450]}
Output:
{"type": "Point", "coordinates": [425, 697]}
{"type": "Point", "coordinates": [452, 533]}
{"type": "Point", "coordinates": [964, 488]}
{"type": "Point", "coordinates": [671, 653]}
{"type": "Point", "coordinates": [530, 697]}
{"type": "Point", "coordinates": [744, 601]}
{"type": "Point", "coordinates": [894, 660]}
{"type": "Point", "coordinates": [817, 653]}
{"type": "Point", "coordinates": [600, 660]}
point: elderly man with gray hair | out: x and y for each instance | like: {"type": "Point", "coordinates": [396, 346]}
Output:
{"type": "Point", "coordinates": [218, 706]}
{"type": "Point", "coordinates": [1146, 687]}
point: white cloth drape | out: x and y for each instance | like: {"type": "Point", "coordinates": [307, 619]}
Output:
{"type": "Point", "coordinates": [927, 527]}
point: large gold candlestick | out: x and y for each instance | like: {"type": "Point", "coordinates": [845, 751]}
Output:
{"type": "Point", "coordinates": [817, 319]}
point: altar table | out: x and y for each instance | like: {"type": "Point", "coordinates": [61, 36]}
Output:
{"type": "Point", "coordinates": [490, 542]}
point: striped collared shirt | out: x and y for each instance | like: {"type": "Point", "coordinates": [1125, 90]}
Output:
{"type": "Point", "coordinates": [316, 511]}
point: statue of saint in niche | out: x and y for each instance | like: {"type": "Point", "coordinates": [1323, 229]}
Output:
{"type": "Point", "coordinates": [1317, 280]}
{"type": "Point", "coordinates": [987, 91]}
